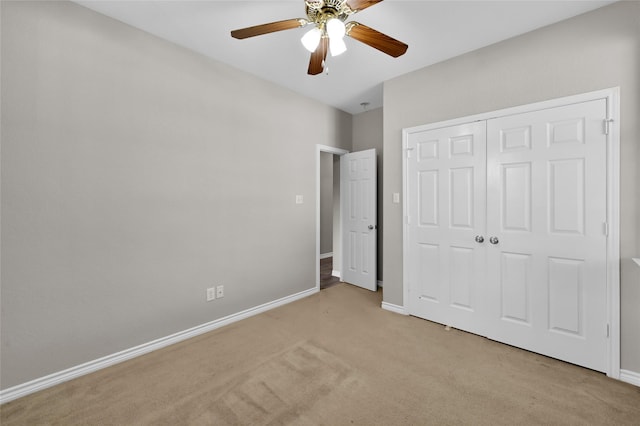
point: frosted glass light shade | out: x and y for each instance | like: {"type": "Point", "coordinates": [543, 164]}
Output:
{"type": "Point", "coordinates": [337, 46]}
{"type": "Point", "coordinates": [311, 39]}
{"type": "Point", "coordinates": [335, 28]}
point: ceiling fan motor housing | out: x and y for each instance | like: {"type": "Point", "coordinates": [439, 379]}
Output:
{"type": "Point", "coordinates": [319, 12]}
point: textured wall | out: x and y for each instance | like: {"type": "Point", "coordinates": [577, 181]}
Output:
{"type": "Point", "coordinates": [135, 174]}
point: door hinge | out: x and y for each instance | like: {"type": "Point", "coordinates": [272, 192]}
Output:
{"type": "Point", "coordinates": [605, 229]}
{"type": "Point", "coordinates": [408, 152]}
{"type": "Point", "coordinates": [607, 125]}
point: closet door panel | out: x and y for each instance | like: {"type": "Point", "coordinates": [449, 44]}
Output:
{"type": "Point", "coordinates": [446, 210]}
{"type": "Point", "coordinates": [546, 200]}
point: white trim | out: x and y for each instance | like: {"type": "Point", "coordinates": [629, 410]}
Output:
{"type": "Point", "coordinates": [613, 220]}
{"type": "Point", "coordinates": [330, 150]}
{"type": "Point", "coordinates": [41, 383]}
{"type": "Point", "coordinates": [630, 377]}
{"type": "Point", "coordinates": [335, 273]}
{"type": "Point", "coordinates": [612, 96]}
{"type": "Point", "coordinates": [326, 255]}
{"type": "Point", "coordinates": [405, 228]}
{"type": "Point", "coordinates": [394, 308]}
{"type": "Point", "coordinates": [609, 94]}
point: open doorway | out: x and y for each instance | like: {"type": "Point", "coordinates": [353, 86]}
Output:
{"type": "Point", "coordinates": [329, 219]}
{"type": "Point", "coordinates": [328, 232]}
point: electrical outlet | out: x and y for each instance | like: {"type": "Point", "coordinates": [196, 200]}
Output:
{"type": "Point", "coordinates": [211, 294]}
{"type": "Point", "coordinates": [220, 291]}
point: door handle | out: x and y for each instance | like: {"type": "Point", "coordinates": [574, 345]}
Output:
{"type": "Point", "coordinates": [371, 227]}
{"type": "Point", "coordinates": [494, 240]}
{"type": "Point", "coordinates": [479, 239]}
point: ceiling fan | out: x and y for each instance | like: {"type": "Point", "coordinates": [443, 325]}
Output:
{"type": "Point", "coordinates": [328, 19]}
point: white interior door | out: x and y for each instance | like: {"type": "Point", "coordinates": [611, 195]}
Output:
{"type": "Point", "coordinates": [546, 209]}
{"type": "Point", "coordinates": [358, 217]}
{"type": "Point", "coordinates": [446, 190]}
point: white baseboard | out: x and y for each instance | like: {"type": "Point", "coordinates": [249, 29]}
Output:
{"type": "Point", "coordinates": [630, 377]}
{"type": "Point", "coordinates": [325, 255]}
{"type": "Point", "coordinates": [24, 389]}
{"type": "Point", "coordinates": [379, 283]}
{"type": "Point", "coordinates": [394, 308]}
{"type": "Point", "coordinates": [335, 273]}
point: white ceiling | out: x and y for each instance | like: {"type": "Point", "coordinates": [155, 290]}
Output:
{"type": "Point", "coordinates": [434, 31]}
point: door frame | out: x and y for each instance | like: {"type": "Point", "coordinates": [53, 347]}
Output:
{"type": "Point", "coordinates": [319, 150]}
{"type": "Point", "coordinates": [612, 97]}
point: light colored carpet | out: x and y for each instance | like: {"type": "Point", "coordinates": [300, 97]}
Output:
{"type": "Point", "coordinates": [335, 358]}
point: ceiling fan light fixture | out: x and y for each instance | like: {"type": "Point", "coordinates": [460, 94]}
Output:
{"type": "Point", "coordinates": [337, 46]}
{"type": "Point", "coordinates": [335, 28]}
{"type": "Point", "coordinates": [311, 39]}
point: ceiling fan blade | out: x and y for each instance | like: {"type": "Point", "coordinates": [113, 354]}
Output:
{"type": "Point", "coordinates": [316, 63]}
{"type": "Point", "coordinates": [357, 5]}
{"type": "Point", "coordinates": [272, 27]}
{"type": "Point", "coordinates": [376, 39]}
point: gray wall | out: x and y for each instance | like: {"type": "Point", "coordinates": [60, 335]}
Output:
{"type": "Point", "coordinates": [326, 203]}
{"type": "Point", "coordinates": [594, 51]}
{"type": "Point", "coordinates": [367, 134]}
{"type": "Point", "coordinates": [135, 174]}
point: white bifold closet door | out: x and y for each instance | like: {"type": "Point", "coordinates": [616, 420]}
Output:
{"type": "Point", "coordinates": [515, 251]}
{"type": "Point", "coordinates": [546, 205]}
{"type": "Point", "coordinates": [446, 193]}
